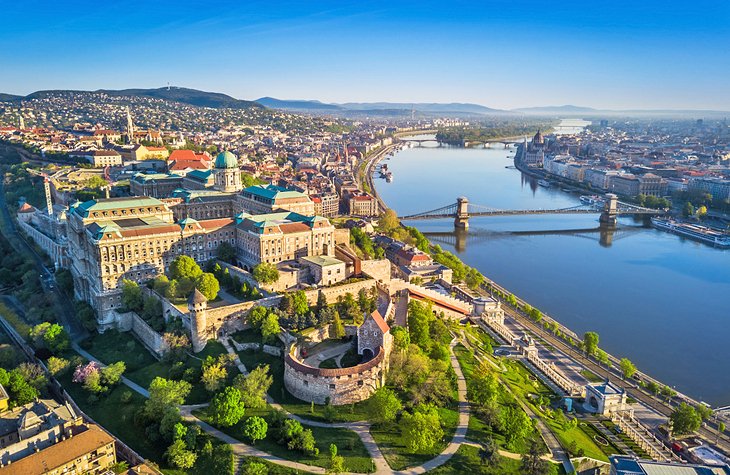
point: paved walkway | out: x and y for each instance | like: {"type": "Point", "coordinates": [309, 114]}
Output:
{"type": "Point", "coordinates": [336, 351]}
{"type": "Point", "coordinates": [131, 384]}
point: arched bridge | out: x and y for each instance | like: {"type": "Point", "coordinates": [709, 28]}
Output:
{"type": "Point", "coordinates": [462, 210]}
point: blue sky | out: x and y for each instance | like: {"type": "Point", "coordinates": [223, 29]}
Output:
{"type": "Point", "coordinates": [618, 54]}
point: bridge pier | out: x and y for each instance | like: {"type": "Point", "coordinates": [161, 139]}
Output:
{"type": "Point", "coordinates": [461, 220]}
{"type": "Point", "coordinates": [609, 217]}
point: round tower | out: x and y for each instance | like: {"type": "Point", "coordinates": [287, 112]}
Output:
{"type": "Point", "coordinates": [198, 310]}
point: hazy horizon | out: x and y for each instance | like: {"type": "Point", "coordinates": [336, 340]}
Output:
{"type": "Point", "coordinates": [500, 54]}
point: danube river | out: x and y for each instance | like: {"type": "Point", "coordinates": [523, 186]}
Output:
{"type": "Point", "coordinates": [658, 299]}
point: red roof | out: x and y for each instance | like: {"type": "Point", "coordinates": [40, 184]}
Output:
{"type": "Point", "coordinates": [288, 228]}
{"type": "Point", "coordinates": [26, 208]}
{"type": "Point", "coordinates": [380, 321]}
{"type": "Point", "coordinates": [185, 164]}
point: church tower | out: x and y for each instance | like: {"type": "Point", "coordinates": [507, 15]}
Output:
{"type": "Point", "coordinates": [21, 120]}
{"type": "Point", "coordinates": [227, 174]}
{"type": "Point", "coordinates": [198, 310]}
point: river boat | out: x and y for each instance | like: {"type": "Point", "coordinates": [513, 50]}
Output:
{"type": "Point", "coordinates": [389, 177]}
{"type": "Point", "coordinates": [591, 200]}
{"type": "Point", "coordinates": [544, 183]}
{"type": "Point", "coordinates": [697, 232]}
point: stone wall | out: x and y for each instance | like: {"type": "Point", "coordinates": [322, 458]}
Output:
{"type": "Point", "coordinates": [339, 386]}
{"type": "Point", "coordinates": [337, 290]}
{"type": "Point", "coordinates": [130, 321]}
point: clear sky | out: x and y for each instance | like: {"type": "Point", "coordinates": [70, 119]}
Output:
{"type": "Point", "coordinates": [499, 53]}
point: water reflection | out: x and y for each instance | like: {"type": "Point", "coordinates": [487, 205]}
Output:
{"type": "Point", "coordinates": [460, 238]}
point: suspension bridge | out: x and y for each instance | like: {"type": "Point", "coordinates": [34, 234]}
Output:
{"type": "Point", "coordinates": [462, 210]}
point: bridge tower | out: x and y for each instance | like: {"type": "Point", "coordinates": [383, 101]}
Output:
{"type": "Point", "coordinates": [461, 220]}
{"type": "Point", "coordinates": [609, 217]}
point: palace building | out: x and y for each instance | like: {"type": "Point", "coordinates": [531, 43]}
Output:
{"type": "Point", "coordinates": [259, 199]}
{"type": "Point", "coordinates": [137, 238]}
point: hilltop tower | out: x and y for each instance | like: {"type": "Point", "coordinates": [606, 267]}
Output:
{"type": "Point", "coordinates": [227, 174]}
{"type": "Point", "coordinates": [198, 310]}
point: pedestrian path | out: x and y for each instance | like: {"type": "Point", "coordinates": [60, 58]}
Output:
{"type": "Point", "coordinates": [131, 384]}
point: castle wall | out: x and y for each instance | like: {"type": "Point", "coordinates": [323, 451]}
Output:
{"type": "Point", "coordinates": [378, 269]}
{"type": "Point", "coordinates": [130, 321]}
{"type": "Point", "coordinates": [340, 386]}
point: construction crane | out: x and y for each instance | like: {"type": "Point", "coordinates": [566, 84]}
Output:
{"type": "Point", "coordinates": [46, 187]}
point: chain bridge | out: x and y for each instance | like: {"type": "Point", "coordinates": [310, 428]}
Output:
{"type": "Point", "coordinates": [462, 210]}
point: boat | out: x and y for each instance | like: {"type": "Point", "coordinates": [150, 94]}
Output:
{"type": "Point", "coordinates": [544, 183]}
{"type": "Point", "coordinates": [389, 177]}
{"type": "Point", "coordinates": [697, 232]}
{"type": "Point", "coordinates": [591, 200]}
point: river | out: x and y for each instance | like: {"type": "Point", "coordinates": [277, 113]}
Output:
{"type": "Point", "coordinates": [656, 298]}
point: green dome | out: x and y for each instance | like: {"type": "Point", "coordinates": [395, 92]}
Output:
{"type": "Point", "coordinates": [226, 160]}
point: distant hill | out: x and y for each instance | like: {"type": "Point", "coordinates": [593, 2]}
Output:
{"type": "Point", "coordinates": [178, 94]}
{"type": "Point", "coordinates": [9, 97]}
{"type": "Point", "coordinates": [296, 104]}
{"type": "Point", "coordinates": [384, 108]}
{"type": "Point", "coordinates": [555, 109]}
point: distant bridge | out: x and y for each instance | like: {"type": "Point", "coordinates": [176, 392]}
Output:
{"type": "Point", "coordinates": [462, 210]}
{"type": "Point", "coordinates": [486, 143]}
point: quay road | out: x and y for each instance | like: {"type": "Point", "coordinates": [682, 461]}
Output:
{"type": "Point", "coordinates": [370, 165]}
{"type": "Point", "coordinates": [630, 386]}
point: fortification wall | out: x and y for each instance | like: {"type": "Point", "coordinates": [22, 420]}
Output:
{"type": "Point", "coordinates": [339, 386]}
{"type": "Point", "coordinates": [130, 321]}
{"type": "Point", "coordinates": [339, 290]}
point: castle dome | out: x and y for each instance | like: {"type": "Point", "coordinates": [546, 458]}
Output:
{"type": "Point", "coordinates": [226, 160]}
{"type": "Point", "coordinates": [538, 139]}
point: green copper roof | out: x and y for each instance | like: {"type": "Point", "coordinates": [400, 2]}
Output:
{"type": "Point", "coordinates": [115, 203]}
{"type": "Point", "coordinates": [226, 160]}
{"type": "Point", "coordinates": [273, 192]}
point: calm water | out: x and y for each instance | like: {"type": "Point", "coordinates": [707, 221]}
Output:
{"type": "Point", "coordinates": [660, 300]}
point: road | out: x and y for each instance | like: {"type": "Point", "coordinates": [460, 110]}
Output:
{"type": "Point", "coordinates": [614, 375]}
{"type": "Point", "coordinates": [65, 313]}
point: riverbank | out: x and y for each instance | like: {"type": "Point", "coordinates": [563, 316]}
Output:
{"type": "Point", "coordinates": [634, 311]}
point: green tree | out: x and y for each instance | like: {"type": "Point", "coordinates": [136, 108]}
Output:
{"type": "Point", "coordinates": [226, 407]}
{"type": "Point", "coordinates": [489, 452]}
{"type": "Point", "coordinates": [51, 336]}
{"type": "Point", "coordinates": [165, 393]}
{"type": "Point", "coordinates": [337, 329]}
{"type": "Point", "coordinates": [300, 306]}
{"type": "Point", "coordinates": [421, 430]}
{"type": "Point", "coordinates": [255, 428]}
{"type": "Point", "coordinates": [685, 419]}
{"type": "Point", "coordinates": [161, 284]}
{"type": "Point", "coordinates": [256, 316]}
{"type": "Point", "coordinates": [208, 285]}
{"type": "Point", "coordinates": [265, 273]}
{"type": "Point", "coordinates": [516, 423]}
{"type": "Point", "coordinates": [184, 267]}
{"type": "Point", "coordinates": [226, 252]}
{"type": "Point", "coordinates": [688, 210]}
{"type": "Point", "coordinates": [602, 357]}
{"type": "Point", "coordinates": [214, 374]}
{"type": "Point", "coordinates": [627, 368]}
{"type": "Point", "coordinates": [179, 456]}
{"type": "Point", "coordinates": [255, 468]}
{"type": "Point", "coordinates": [401, 338]}
{"type": "Point", "coordinates": [532, 462]}
{"type": "Point", "coordinates": [131, 295]}
{"type": "Point", "coordinates": [58, 366]}
{"type": "Point", "coordinates": [705, 412]}
{"type": "Point", "coordinates": [337, 462]}
{"type": "Point", "coordinates": [483, 387]}
{"type": "Point", "coordinates": [321, 301]}
{"type": "Point", "coordinates": [112, 374]}
{"type": "Point", "coordinates": [720, 430]}
{"type": "Point", "coordinates": [590, 342]}
{"type": "Point", "coordinates": [388, 221]}
{"type": "Point", "coordinates": [270, 328]}
{"type": "Point", "coordinates": [383, 406]}
{"type": "Point", "coordinates": [419, 323]}
{"type": "Point", "coordinates": [254, 386]}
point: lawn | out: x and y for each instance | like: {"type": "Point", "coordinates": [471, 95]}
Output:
{"type": "Point", "coordinates": [272, 468]}
{"type": "Point", "coordinates": [394, 450]}
{"type": "Point", "coordinates": [591, 376]}
{"type": "Point", "coordinates": [348, 444]}
{"type": "Point", "coordinates": [142, 367]}
{"type": "Point", "coordinates": [348, 413]}
{"type": "Point", "coordinates": [466, 460]}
